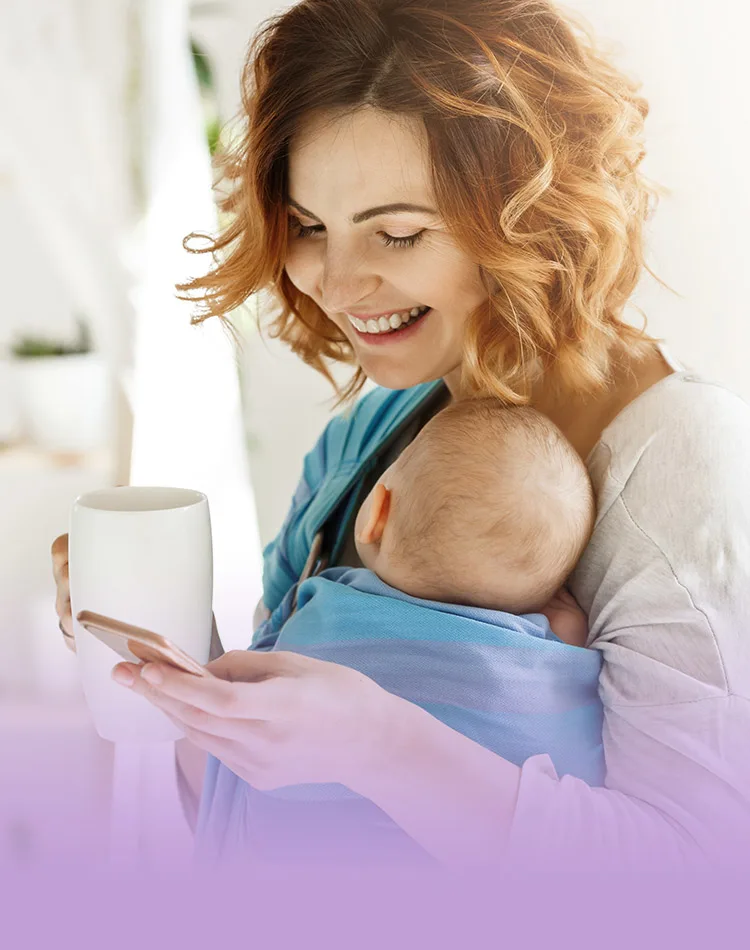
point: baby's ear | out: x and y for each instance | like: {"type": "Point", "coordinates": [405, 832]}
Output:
{"type": "Point", "coordinates": [380, 507]}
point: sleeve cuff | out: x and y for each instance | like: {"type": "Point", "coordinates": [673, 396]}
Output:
{"type": "Point", "coordinates": [533, 835]}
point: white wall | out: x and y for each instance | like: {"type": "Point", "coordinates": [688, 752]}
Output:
{"type": "Point", "coordinates": [690, 57]}
{"type": "Point", "coordinates": [36, 299]}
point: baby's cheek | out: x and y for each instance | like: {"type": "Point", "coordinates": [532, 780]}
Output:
{"type": "Point", "coordinates": [366, 555]}
{"type": "Point", "coordinates": [398, 575]}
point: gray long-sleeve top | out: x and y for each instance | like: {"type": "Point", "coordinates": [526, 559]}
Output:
{"type": "Point", "coordinates": [665, 581]}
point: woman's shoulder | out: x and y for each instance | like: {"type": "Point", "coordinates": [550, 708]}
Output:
{"type": "Point", "coordinates": [678, 458]}
{"type": "Point", "coordinates": [687, 432]}
{"type": "Point", "coordinates": [667, 570]}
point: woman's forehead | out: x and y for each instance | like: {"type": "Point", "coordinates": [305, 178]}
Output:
{"type": "Point", "coordinates": [357, 161]}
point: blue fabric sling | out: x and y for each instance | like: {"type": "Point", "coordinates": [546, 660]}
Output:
{"type": "Point", "coordinates": [505, 681]}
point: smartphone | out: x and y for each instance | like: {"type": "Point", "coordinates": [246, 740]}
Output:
{"type": "Point", "coordinates": [136, 643]}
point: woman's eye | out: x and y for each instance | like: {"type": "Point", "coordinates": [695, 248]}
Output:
{"type": "Point", "coordinates": [408, 241]}
{"type": "Point", "coordinates": [302, 231]}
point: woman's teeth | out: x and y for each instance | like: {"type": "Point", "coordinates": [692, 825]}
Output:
{"type": "Point", "coordinates": [386, 324]}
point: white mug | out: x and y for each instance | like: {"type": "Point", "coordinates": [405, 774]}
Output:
{"type": "Point", "coordinates": [142, 555]}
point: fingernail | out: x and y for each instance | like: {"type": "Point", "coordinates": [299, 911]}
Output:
{"type": "Point", "coordinates": [123, 677]}
{"type": "Point", "coordinates": [151, 674]}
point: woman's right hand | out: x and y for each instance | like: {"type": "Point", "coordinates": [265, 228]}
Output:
{"type": "Point", "coordinates": [62, 602]}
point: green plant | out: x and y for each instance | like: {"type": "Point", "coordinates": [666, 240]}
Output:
{"type": "Point", "coordinates": [30, 347]}
{"type": "Point", "coordinates": [207, 85]}
{"type": "Point", "coordinates": [202, 66]}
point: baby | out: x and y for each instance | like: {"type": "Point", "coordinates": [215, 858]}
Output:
{"type": "Point", "coordinates": [489, 507]}
{"type": "Point", "coordinates": [464, 539]}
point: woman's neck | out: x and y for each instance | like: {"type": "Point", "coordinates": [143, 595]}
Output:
{"type": "Point", "coordinates": [453, 382]}
{"type": "Point", "coordinates": [583, 417]}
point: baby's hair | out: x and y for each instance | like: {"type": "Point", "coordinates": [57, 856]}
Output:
{"type": "Point", "coordinates": [500, 481]}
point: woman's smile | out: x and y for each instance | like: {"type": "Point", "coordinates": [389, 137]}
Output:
{"type": "Point", "coordinates": [393, 329]}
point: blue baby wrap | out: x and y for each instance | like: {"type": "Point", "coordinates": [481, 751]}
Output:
{"type": "Point", "coordinates": [505, 681]}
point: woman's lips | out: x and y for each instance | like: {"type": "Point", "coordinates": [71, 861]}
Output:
{"type": "Point", "coordinates": [395, 336]}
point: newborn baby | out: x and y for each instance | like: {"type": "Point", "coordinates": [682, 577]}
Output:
{"type": "Point", "coordinates": [489, 506]}
{"type": "Point", "coordinates": [464, 539]}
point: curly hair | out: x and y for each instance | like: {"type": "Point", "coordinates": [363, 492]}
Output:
{"type": "Point", "coordinates": [535, 142]}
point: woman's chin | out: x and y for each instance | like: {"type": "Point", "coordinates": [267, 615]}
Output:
{"type": "Point", "coordinates": [393, 374]}
{"type": "Point", "coordinates": [397, 378]}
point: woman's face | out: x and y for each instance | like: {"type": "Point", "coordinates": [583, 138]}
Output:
{"type": "Point", "coordinates": [362, 265]}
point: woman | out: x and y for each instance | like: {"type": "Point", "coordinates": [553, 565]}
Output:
{"type": "Point", "coordinates": [480, 158]}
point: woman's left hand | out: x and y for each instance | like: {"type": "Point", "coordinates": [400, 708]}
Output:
{"type": "Point", "coordinates": [278, 718]}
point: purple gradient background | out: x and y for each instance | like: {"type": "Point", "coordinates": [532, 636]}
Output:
{"type": "Point", "coordinates": [78, 907]}
{"type": "Point", "coordinates": [70, 896]}
{"type": "Point", "coordinates": [76, 902]}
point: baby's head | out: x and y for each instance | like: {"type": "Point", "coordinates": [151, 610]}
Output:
{"type": "Point", "coordinates": [489, 506]}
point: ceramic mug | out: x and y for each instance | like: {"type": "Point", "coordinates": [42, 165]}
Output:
{"type": "Point", "coordinates": [142, 555]}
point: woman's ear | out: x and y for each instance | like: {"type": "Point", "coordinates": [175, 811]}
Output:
{"type": "Point", "coordinates": [380, 507]}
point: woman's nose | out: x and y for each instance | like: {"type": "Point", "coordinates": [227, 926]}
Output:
{"type": "Point", "coordinates": [346, 280]}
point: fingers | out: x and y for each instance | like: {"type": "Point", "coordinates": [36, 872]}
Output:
{"type": "Point", "coordinates": [567, 597]}
{"type": "Point", "coordinates": [62, 599]}
{"type": "Point", "coordinates": [126, 673]}
{"type": "Point", "coordinates": [238, 696]}
{"type": "Point", "coordinates": [227, 739]}
{"type": "Point", "coordinates": [183, 713]}
{"type": "Point", "coordinates": [61, 571]}
{"type": "Point", "coordinates": [69, 639]}
{"type": "Point", "coordinates": [63, 607]}
{"type": "Point", "coordinates": [63, 610]}
{"type": "Point", "coordinates": [562, 598]}
{"type": "Point", "coordinates": [228, 752]}
{"type": "Point", "coordinates": [59, 553]}
{"type": "Point", "coordinates": [221, 736]}
{"type": "Point", "coordinates": [60, 547]}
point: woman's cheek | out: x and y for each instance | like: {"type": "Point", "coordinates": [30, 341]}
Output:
{"type": "Point", "coordinates": [302, 268]}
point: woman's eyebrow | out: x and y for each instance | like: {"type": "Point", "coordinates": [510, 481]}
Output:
{"type": "Point", "coordinates": [399, 207]}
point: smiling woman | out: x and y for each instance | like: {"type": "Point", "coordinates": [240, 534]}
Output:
{"type": "Point", "coordinates": [520, 145]}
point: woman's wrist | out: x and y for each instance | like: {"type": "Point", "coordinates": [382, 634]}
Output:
{"type": "Point", "coordinates": [453, 796]}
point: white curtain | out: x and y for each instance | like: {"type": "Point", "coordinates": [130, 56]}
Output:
{"type": "Point", "coordinates": [103, 137]}
{"type": "Point", "coordinates": [66, 151]}
{"type": "Point", "coordinates": [188, 428]}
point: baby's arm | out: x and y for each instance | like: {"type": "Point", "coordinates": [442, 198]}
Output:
{"type": "Point", "coordinates": [567, 620]}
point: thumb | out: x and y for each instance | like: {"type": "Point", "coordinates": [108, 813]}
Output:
{"type": "Point", "coordinates": [246, 666]}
